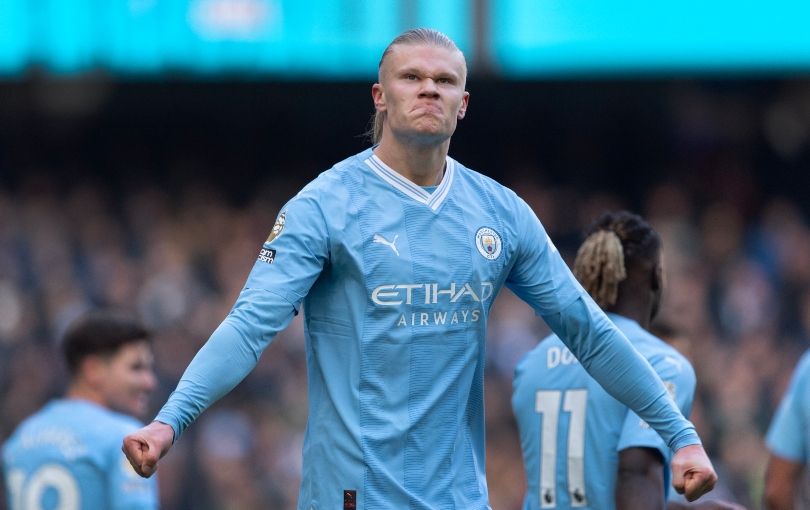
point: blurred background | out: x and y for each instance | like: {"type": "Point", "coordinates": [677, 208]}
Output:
{"type": "Point", "coordinates": [146, 147]}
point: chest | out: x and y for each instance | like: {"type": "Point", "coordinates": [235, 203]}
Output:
{"type": "Point", "coordinates": [409, 253]}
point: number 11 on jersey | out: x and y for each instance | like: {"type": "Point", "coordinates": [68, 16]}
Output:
{"type": "Point", "coordinates": [547, 404]}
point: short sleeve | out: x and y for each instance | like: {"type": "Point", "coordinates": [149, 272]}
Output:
{"type": "Point", "coordinates": [679, 379]}
{"type": "Point", "coordinates": [788, 433]}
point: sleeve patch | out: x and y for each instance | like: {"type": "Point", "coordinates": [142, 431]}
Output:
{"type": "Point", "coordinates": [267, 255]}
{"type": "Point", "coordinates": [278, 227]}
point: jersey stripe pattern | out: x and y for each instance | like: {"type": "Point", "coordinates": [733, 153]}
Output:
{"type": "Point", "coordinates": [395, 283]}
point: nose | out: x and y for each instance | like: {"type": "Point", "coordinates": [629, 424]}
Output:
{"type": "Point", "coordinates": [429, 88]}
{"type": "Point", "coordinates": [149, 381]}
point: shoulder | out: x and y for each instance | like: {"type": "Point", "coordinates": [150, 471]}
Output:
{"type": "Point", "coordinates": [481, 183]}
{"type": "Point", "coordinates": [30, 422]}
{"type": "Point", "coordinates": [800, 380]}
{"type": "Point", "coordinates": [53, 412]}
{"type": "Point", "coordinates": [803, 368]}
{"type": "Point", "coordinates": [122, 422]}
{"type": "Point", "coordinates": [76, 429]}
{"type": "Point", "coordinates": [323, 197]}
{"type": "Point", "coordinates": [665, 359]}
{"type": "Point", "coordinates": [514, 214]}
{"type": "Point", "coordinates": [332, 187]}
{"type": "Point", "coordinates": [100, 425]}
{"type": "Point", "coordinates": [325, 183]}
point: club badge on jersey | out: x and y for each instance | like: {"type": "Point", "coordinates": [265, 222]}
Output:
{"type": "Point", "coordinates": [488, 242]}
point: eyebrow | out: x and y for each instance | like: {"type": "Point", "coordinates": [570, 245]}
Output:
{"type": "Point", "coordinates": [418, 71]}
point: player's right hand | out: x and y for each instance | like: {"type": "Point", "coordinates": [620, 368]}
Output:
{"type": "Point", "coordinates": [146, 446]}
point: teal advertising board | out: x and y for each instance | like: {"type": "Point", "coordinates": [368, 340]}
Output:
{"type": "Point", "coordinates": [343, 39]}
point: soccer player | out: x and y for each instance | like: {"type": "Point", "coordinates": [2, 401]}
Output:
{"type": "Point", "coordinates": [582, 448]}
{"type": "Point", "coordinates": [68, 454]}
{"type": "Point", "coordinates": [395, 256]}
{"type": "Point", "coordinates": [788, 440]}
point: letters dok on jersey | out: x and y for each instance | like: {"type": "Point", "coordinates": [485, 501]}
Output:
{"type": "Point", "coordinates": [556, 356]}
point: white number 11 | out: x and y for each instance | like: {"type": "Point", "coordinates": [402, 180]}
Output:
{"type": "Point", "coordinates": [547, 403]}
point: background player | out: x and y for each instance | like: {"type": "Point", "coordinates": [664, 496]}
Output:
{"type": "Point", "coordinates": [788, 441]}
{"type": "Point", "coordinates": [582, 448]}
{"type": "Point", "coordinates": [395, 255]}
{"type": "Point", "coordinates": [68, 454]}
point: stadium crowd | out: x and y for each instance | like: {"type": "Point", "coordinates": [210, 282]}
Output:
{"type": "Point", "coordinates": [737, 262]}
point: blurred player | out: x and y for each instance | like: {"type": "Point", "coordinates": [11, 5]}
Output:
{"type": "Point", "coordinates": [68, 455]}
{"type": "Point", "coordinates": [582, 448]}
{"type": "Point", "coordinates": [788, 440]}
{"type": "Point", "coordinates": [395, 256]}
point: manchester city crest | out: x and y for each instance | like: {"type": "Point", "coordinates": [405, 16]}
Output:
{"type": "Point", "coordinates": [278, 227]}
{"type": "Point", "coordinates": [488, 242]}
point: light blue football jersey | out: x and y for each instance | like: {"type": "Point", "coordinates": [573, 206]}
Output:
{"type": "Point", "coordinates": [396, 283]}
{"type": "Point", "coordinates": [789, 432]}
{"type": "Point", "coordinates": [68, 456]}
{"type": "Point", "coordinates": [572, 430]}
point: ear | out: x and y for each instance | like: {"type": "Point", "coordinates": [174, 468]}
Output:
{"type": "Point", "coordinates": [658, 275]}
{"type": "Point", "coordinates": [91, 369]}
{"type": "Point", "coordinates": [378, 96]}
{"type": "Point", "coordinates": [656, 289]}
{"type": "Point", "coordinates": [465, 102]}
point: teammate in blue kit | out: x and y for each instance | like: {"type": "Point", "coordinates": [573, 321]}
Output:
{"type": "Point", "coordinates": [395, 256]}
{"type": "Point", "coordinates": [788, 441]}
{"type": "Point", "coordinates": [582, 448]}
{"type": "Point", "coordinates": [68, 455]}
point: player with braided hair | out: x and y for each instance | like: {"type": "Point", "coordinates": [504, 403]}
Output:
{"type": "Point", "coordinates": [582, 448]}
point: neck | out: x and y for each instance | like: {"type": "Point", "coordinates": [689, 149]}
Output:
{"type": "Point", "coordinates": [644, 323]}
{"type": "Point", "coordinates": [421, 164]}
{"type": "Point", "coordinates": [80, 391]}
{"type": "Point", "coordinates": [638, 311]}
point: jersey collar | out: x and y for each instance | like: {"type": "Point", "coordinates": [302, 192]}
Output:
{"type": "Point", "coordinates": [433, 200]}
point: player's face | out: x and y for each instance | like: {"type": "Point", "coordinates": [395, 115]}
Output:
{"type": "Point", "coordinates": [421, 90]}
{"type": "Point", "coordinates": [129, 378]}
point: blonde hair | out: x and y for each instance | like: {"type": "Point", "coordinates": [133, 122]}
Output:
{"type": "Point", "coordinates": [616, 242]}
{"type": "Point", "coordinates": [599, 266]}
{"type": "Point", "coordinates": [425, 36]}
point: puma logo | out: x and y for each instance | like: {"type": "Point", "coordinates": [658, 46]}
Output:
{"type": "Point", "coordinates": [391, 244]}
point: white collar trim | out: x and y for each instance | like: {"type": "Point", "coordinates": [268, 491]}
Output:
{"type": "Point", "coordinates": [433, 200]}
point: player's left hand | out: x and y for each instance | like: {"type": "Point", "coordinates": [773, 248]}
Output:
{"type": "Point", "coordinates": [692, 472]}
{"type": "Point", "coordinates": [146, 446]}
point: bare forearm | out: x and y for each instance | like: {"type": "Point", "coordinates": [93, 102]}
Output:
{"type": "Point", "coordinates": [782, 501]}
{"type": "Point", "coordinates": [634, 494]}
{"type": "Point", "coordinates": [782, 478]}
{"type": "Point", "coordinates": [639, 480]}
